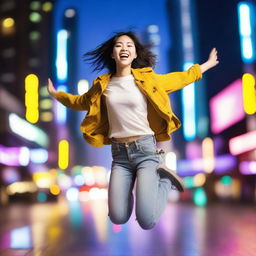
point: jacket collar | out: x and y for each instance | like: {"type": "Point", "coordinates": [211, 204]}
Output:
{"type": "Point", "coordinates": [136, 72]}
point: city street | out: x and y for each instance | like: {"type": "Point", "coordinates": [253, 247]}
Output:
{"type": "Point", "coordinates": [83, 228]}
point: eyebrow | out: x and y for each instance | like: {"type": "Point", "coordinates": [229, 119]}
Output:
{"type": "Point", "coordinates": [126, 42]}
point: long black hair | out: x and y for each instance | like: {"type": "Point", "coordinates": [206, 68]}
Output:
{"type": "Point", "coordinates": [101, 57]}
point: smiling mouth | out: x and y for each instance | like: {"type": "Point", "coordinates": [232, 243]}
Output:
{"type": "Point", "coordinates": [124, 56]}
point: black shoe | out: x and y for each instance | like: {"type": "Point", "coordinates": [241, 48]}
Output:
{"type": "Point", "coordinates": [177, 182]}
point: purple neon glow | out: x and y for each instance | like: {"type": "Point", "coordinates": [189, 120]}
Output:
{"type": "Point", "coordinates": [223, 164]}
{"type": "Point", "coordinates": [14, 156]}
{"type": "Point", "coordinates": [248, 167]}
{"type": "Point", "coordinates": [226, 108]}
{"type": "Point", "coordinates": [10, 175]}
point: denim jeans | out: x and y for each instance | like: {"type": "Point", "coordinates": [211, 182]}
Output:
{"type": "Point", "coordinates": [137, 161]}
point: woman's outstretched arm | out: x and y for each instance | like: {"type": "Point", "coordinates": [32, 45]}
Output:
{"type": "Point", "coordinates": [177, 80]}
{"type": "Point", "coordinates": [211, 62]}
{"type": "Point", "coordinates": [74, 102]}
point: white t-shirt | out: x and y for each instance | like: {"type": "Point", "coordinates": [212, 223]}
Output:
{"type": "Point", "coordinates": [127, 108]}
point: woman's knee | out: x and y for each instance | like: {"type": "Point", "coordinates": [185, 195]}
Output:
{"type": "Point", "coordinates": [118, 218]}
{"type": "Point", "coordinates": [146, 223]}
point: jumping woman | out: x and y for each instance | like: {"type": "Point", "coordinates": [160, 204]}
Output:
{"type": "Point", "coordinates": [129, 108]}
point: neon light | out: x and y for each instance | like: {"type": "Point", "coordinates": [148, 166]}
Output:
{"type": "Point", "coordinates": [247, 167]}
{"type": "Point", "coordinates": [208, 154]}
{"type": "Point", "coordinates": [243, 143]}
{"type": "Point", "coordinates": [27, 130]}
{"type": "Point", "coordinates": [61, 109]}
{"type": "Point", "coordinates": [10, 175]}
{"type": "Point", "coordinates": [43, 179]}
{"type": "Point", "coordinates": [188, 108]}
{"type": "Point", "coordinates": [199, 197]}
{"type": "Point", "coordinates": [72, 194]}
{"type": "Point", "coordinates": [63, 154]}
{"type": "Point", "coordinates": [61, 60]}
{"type": "Point", "coordinates": [82, 86]}
{"type": "Point", "coordinates": [249, 94]}
{"type": "Point", "coordinates": [38, 156]}
{"type": "Point", "coordinates": [199, 179]}
{"type": "Point", "coordinates": [171, 160]}
{"type": "Point", "coordinates": [245, 14]}
{"type": "Point", "coordinates": [223, 164]}
{"type": "Point", "coordinates": [24, 156]}
{"type": "Point", "coordinates": [21, 238]}
{"type": "Point", "coordinates": [31, 98]}
{"type": "Point", "coordinates": [9, 156]}
{"type": "Point", "coordinates": [226, 180]}
{"type": "Point", "coordinates": [226, 107]}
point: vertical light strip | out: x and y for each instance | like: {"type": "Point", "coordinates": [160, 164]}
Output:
{"type": "Point", "coordinates": [208, 155]}
{"type": "Point", "coordinates": [188, 109]}
{"type": "Point", "coordinates": [249, 94]}
{"type": "Point", "coordinates": [61, 109]}
{"type": "Point", "coordinates": [188, 93]}
{"type": "Point", "coordinates": [245, 15]}
{"type": "Point", "coordinates": [62, 71]}
{"type": "Point", "coordinates": [61, 60]}
{"type": "Point", "coordinates": [63, 154]}
{"type": "Point", "coordinates": [31, 98]}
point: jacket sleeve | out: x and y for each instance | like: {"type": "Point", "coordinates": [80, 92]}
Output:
{"type": "Point", "coordinates": [177, 80]}
{"type": "Point", "coordinates": [74, 102]}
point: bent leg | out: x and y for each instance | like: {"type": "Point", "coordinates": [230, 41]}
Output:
{"type": "Point", "coordinates": [120, 197]}
{"type": "Point", "coordinates": [151, 192]}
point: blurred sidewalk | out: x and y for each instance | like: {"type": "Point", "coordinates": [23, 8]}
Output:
{"type": "Point", "coordinates": [83, 229]}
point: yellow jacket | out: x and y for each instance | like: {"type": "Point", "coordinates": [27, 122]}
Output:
{"type": "Point", "coordinates": [154, 86]}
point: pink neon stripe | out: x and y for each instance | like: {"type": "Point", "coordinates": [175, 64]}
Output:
{"type": "Point", "coordinates": [226, 108]}
{"type": "Point", "coordinates": [242, 143]}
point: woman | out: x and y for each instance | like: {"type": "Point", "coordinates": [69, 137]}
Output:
{"type": "Point", "coordinates": [129, 108]}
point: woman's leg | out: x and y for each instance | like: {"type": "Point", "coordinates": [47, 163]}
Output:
{"type": "Point", "coordinates": [120, 197]}
{"type": "Point", "coordinates": [151, 192]}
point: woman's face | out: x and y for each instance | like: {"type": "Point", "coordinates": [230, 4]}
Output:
{"type": "Point", "coordinates": [124, 51]}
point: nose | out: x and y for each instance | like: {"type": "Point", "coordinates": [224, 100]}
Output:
{"type": "Point", "coordinates": [124, 48]}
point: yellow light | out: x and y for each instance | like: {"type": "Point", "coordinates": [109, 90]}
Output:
{"type": "Point", "coordinates": [54, 189]}
{"type": "Point", "coordinates": [44, 92]}
{"type": "Point", "coordinates": [8, 23]}
{"type": "Point", "coordinates": [46, 104]}
{"type": "Point", "coordinates": [208, 155]}
{"type": "Point", "coordinates": [21, 187]}
{"type": "Point", "coordinates": [199, 179]}
{"type": "Point", "coordinates": [63, 154]}
{"type": "Point", "coordinates": [43, 179]}
{"type": "Point", "coordinates": [47, 6]}
{"type": "Point", "coordinates": [31, 98]}
{"type": "Point", "coordinates": [46, 116]}
{"type": "Point", "coordinates": [249, 94]}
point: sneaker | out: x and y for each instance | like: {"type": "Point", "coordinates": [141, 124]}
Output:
{"type": "Point", "coordinates": [177, 182]}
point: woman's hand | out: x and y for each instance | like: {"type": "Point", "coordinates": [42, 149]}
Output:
{"type": "Point", "coordinates": [211, 62]}
{"type": "Point", "coordinates": [51, 88]}
{"type": "Point", "coordinates": [213, 58]}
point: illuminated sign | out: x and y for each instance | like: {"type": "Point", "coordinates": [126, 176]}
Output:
{"type": "Point", "coordinates": [242, 143]}
{"type": "Point", "coordinates": [226, 107]}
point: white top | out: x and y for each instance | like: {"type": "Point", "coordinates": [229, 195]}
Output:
{"type": "Point", "coordinates": [127, 108]}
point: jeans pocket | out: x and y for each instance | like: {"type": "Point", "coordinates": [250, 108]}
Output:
{"type": "Point", "coordinates": [148, 148]}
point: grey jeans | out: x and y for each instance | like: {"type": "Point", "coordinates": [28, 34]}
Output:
{"type": "Point", "coordinates": [137, 161]}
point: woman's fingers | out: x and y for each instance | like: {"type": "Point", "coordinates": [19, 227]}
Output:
{"type": "Point", "coordinates": [51, 88]}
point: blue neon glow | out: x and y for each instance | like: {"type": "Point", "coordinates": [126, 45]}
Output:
{"type": "Point", "coordinates": [38, 156]}
{"type": "Point", "coordinates": [21, 238]}
{"type": "Point", "coordinates": [245, 14]}
{"type": "Point", "coordinates": [61, 60]}
{"type": "Point", "coordinates": [61, 109]}
{"type": "Point", "coordinates": [188, 108]}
